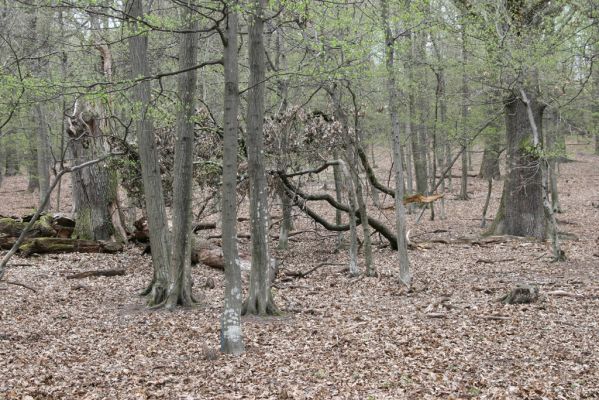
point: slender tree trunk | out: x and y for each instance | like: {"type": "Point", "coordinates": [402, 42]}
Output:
{"type": "Point", "coordinates": [404, 263]}
{"type": "Point", "coordinates": [465, 97]}
{"type": "Point", "coordinates": [180, 292]}
{"type": "Point", "coordinates": [33, 182]}
{"type": "Point", "coordinates": [148, 154]}
{"type": "Point", "coordinates": [43, 150]}
{"type": "Point", "coordinates": [231, 334]}
{"type": "Point", "coordinates": [551, 135]}
{"type": "Point", "coordinates": [283, 143]}
{"type": "Point", "coordinates": [368, 261]}
{"type": "Point", "coordinates": [339, 187]}
{"type": "Point", "coordinates": [483, 222]}
{"type": "Point", "coordinates": [260, 299]}
{"type": "Point", "coordinates": [595, 107]}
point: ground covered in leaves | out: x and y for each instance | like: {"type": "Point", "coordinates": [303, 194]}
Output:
{"type": "Point", "coordinates": [339, 337]}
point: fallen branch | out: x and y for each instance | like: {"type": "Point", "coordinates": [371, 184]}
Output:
{"type": "Point", "coordinates": [494, 317]}
{"type": "Point", "coordinates": [300, 274]}
{"type": "Point", "coordinates": [105, 272]}
{"type": "Point", "coordinates": [563, 293]}
{"type": "Point", "coordinates": [486, 261]}
{"type": "Point", "coordinates": [21, 284]}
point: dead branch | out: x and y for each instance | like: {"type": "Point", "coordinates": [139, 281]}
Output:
{"type": "Point", "coordinates": [21, 284]}
{"type": "Point", "coordinates": [105, 272]}
{"type": "Point", "coordinates": [300, 274]}
{"type": "Point", "coordinates": [486, 261]}
{"type": "Point", "coordinates": [563, 293]}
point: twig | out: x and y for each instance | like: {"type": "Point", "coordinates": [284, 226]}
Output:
{"type": "Point", "coordinates": [21, 284]}
{"type": "Point", "coordinates": [299, 274]}
{"type": "Point", "coordinates": [485, 261]}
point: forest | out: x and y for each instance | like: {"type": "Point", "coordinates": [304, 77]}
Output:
{"type": "Point", "coordinates": [309, 199]}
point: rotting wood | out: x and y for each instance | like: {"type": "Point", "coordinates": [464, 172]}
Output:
{"type": "Point", "coordinates": [60, 245]}
{"type": "Point", "coordinates": [521, 294]}
{"type": "Point", "coordinates": [103, 272]}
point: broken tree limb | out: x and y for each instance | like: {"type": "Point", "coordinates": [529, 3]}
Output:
{"type": "Point", "coordinates": [300, 199]}
{"type": "Point", "coordinates": [104, 272]}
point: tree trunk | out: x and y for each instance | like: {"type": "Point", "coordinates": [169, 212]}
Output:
{"type": "Point", "coordinates": [489, 168]}
{"type": "Point", "coordinates": [400, 217]}
{"type": "Point", "coordinates": [260, 299]}
{"type": "Point", "coordinates": [370, 269]}
{"type": "Point", "coordinates": [92, 190]}
{"type": "Point", "coordinates": [231, 341]}
{"type": "Point", "coordinates": [150, 168]}
{"type": "Point", "coordinates": [33, 183]}
{"type": "Point", "coordinates": [465, 96]}
{"type": "Point", "coordinates": [595, 107]}
{"type": "Point", "coordinates": [338, 177]}
{"type": "Point", "coordinates": [43, 152]}
{"type": "Point", "coordinates": [11, 158]}
{"type": "Point", "coordinates": [180, 292]}
{"type": "Point", "coordinates": [552, 146]}
{"type": "Point", "coordinates": [521, 210]}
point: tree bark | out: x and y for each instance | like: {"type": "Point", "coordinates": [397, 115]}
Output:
{"type": "Point", "coordinates": [465, 97]}
{"type": "Point", "coordinates": [521, 210]}
{"type": "Point", "coordinates": [400, 217]}
{"type": "Point", "coordinates": [148, 154]}
{"type": "Point", "coordinates": [180, 292]}
{"type": "Point", "coordinates": [231, 340]}
{"type": "Point", "coordinates": [260, 299]}
{"type": "Point", "coordinates": [92, 191]}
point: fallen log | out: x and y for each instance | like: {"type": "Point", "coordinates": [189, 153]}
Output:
{"type": "Point", "coordinates": [61, 245]}
{"type": "Point", "coordinates": [104, 272]}
{"type": "Point", "coordinates": [41, 228]}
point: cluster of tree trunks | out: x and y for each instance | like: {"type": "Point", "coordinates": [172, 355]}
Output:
{"type": "Point", "coordinates": [50, 234]}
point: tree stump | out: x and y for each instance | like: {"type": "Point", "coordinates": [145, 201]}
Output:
{"type": "Point", "coordinates": [521, 294]}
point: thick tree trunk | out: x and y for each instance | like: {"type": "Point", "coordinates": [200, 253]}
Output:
{"type": "Point", "coordinates": [231, 334]}
{"type": "Point", "coordinates": [180, 292]}
{"type": "Point", "coordinates": [92, 190]}
{"type": "Point", "coordinates": [259, 299]}
{"type": "Point", "coordinates": [150, 168]}
{"type": "Point", "coordinates": [521, 210]}
{"type": "Point", "coordinates": [400, 217]}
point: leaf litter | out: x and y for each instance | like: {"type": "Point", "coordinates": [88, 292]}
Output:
{"type": "Point", "coordinates": [339, 337]}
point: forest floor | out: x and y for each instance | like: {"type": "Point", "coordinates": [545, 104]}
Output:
{"type": "Point", "coordinates": [338, 337]}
